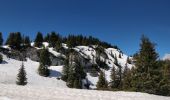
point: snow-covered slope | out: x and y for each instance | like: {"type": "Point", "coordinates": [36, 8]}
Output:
{"type": "Point", "coordinates": [51, 88]}
{"type": "Point", "coordinates": [9, 69]}
{"type": "Point", "coordinates": [13, 92]}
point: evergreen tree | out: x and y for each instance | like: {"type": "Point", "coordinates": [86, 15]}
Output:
{"type": "Point", "coordinates": [54, 38]}
{"type": "Point", "coordinates": [127, 82]}
{"type": "Point", "coordinates": [21, 77]}
{"type": "Point", "coordinates": [17, 40]}
{"type": "Point", "coordinates": [58, 45]}
{"type": "Point", "coordinates": [102, 83]}
{"type": "Point", "coordinates": [27, 41]}
{"type": "Point", "coordinates": [116, 61]}
{"type": "Point", "coordinates": [120, 56]}
{"type": "Point", "coordinates": [44, 63]}
{"type": "Point", "coordinates": [14, 40]}
{"type": "Point", "coordinates": [1, 39]}
{"type": "Point", "coordinates": [65, 71]}
{"type": "Point", "coordinates": [146, 67]}
{"type": "Point", "coordinates": [1, 58]}
{"type": "Point", "coordinates": [38, 40]}
{"type": "Point", "coordinates": [128, 61]}
{"type": "Point", "coordinates": [47, 38]}
{"type": "Point", "coordinates": [43, 70]}
{"type": "Point", "coordinates": [113, 77]}
{"type": "Point", "coordinates": [45, 57]}
{"type": "Point", "coordinates": [76, 72]}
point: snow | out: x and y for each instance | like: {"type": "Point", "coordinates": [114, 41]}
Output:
{"type": "Point", "coordinates": [53, 88]}
{"type": "Point", "coordinates": [13, 92]}
{"type": "Point", "coordinates": [90, 53]}
{"type": "Point", "coordinates": [9, 69]}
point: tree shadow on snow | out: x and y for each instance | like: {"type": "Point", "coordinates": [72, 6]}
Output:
{"type": "Point", "coordinates": [54, 73]}
{"type": "Point", "coordinates": [4, 62]}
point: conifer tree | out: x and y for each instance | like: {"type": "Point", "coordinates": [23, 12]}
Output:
{"type": "Point", "coordinates": [47, 38]}
{"type": "Point", "coordinates": [43, 70]}
{"type": "Point", "coordinates": [1, 58]}
{"type": "Point", "coordinates": [102, 82]}
{"type": "Point", "coordinates": [17, 40]}
{"type": "Point", "coordinates": [58, 45]}
{"type": "Point", "coordinates": [38, 40]}
{"type": "Point", "coordinates": [14, 40]}
{"type": "Point", "coordinates": [1, 39]}
{"type": "Point", "coordinates": [27, 41]}
{"type": "Point", "coordinates": [127, 82]}
{"type": "Point", "coordinates": [44, 63]}
{"type": "Point", "coordinates": [65, 71]}
{"type": "Point", "coordinates": [116, 61]}
{"type": "Point", "coordinates": [128, 61]}
{"type": "Point", "coordinates": [113, 77]}
{"type": "Point", "coordinates": [21, 77]}
{"type": "Point", "coordinates": [146, 67]}
{"type": "Point", "coordinates": [120, 56]}
{"type": "Point", "coordinates": [45, 57]}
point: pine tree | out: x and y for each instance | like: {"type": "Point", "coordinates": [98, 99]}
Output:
{"type": "Point", "coordinates": [1, 39]}
{"type": "Point", "coordinates": [58, 45]}
{"type": "Point", "coordinates": [44, 63]}
{"type": "Point", "coordinates": [14, 40]}
{"type": "Point", "coordinates": [21, 77]}
{"type": "Point", "coordinates": [116, 61]}
{"type": "Point", "coordinates": [38, 40]}
{"type": "Point", "coordinates": [146, 67]}
{"type": "Point", "coordinates": [53, 39]}
{"type": "Point", "coordinates": [120, 56]}
{"type": "Point", "coordinates": [43, 70]}
{"type": "Point", "coordinates": [127, 82]}
{"type": "Point", "coordinates": [113, 77]}
{"type": "Point", "coordinates": [45, 57]}
{"type": "Point", "coordinates": [65, 71]}
{"type": "Point", "coordinates": [27, 41]}
{"type": "Point", "coordinates": [17, 40]}
{"type": "Point", "coordinates": [102, 83]}
{"type": "Point", "coordinates": [128, 61]}
{"type": "Point", "coordinates": [1, 58]}
{"type": "Point", "coordinates": [47, 38]}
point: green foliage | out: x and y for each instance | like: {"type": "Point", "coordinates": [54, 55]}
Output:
{"type": "Point", "coordinates": [44, 63]}
{"type": "Point", "coordinates": [21, 77]}
{"type": "Point", "coordinates": [1, 58]}
{"type": "Point", "coordinates": [45, 57]}
{"type": "Point", "coordinates": [120, 56]}
{"type": "Point", "coordinates": [65, 70]}
{"type": "Point", "coordinates": [27, 42]}
{"type": "Point", "coordinates": [53, 38]}
{"type": "Point", "coordinates": [128, 60]}
{"type": "Point", "coordinates": [47, 38]}
{"type": "Point", "coordinates": [1, 39]}
{"type": "Point", "coordinates": [14, 40]}
{"type": "Point", "coordinates": [73, 72]}
{"type": "Point", "coordinates": [38, 40]}
{"type": "Point", "coordinates": [43, 70]}
{"type": "Point", "coordinates": [102, 83]}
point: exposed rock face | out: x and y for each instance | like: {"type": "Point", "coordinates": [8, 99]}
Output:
{"type": "Point", "coordinates": [31, 53]}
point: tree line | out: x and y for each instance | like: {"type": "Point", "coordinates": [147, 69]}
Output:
{"type": "Point", "coordinates": [16, 40]}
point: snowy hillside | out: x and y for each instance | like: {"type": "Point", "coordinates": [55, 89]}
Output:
{"type": "Point", "coordinates": [52, 88]}
{"type": "Point", "coordinates": [13, 92]}
{"type": "Point", "coordinates": [9, 69]}
{"type": "Point", "coordinates": [31, 66]}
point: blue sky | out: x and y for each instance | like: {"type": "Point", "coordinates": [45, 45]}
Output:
{"type": "Point", "coordinates": [119, 22]}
